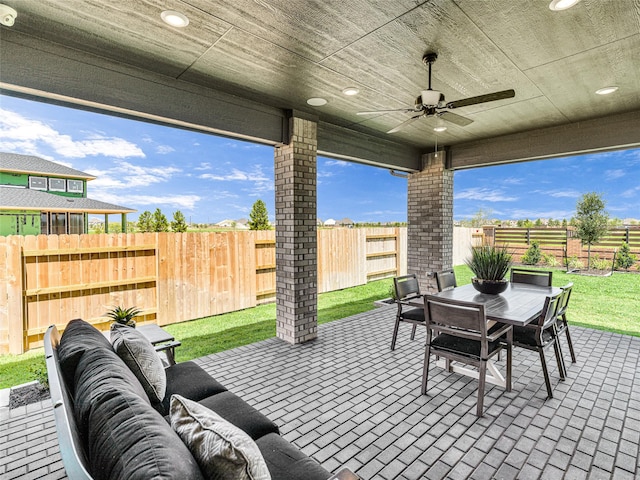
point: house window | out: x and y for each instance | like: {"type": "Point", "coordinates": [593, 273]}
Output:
{"type": "Point", "coordinates": [57, 185]}
{"type": "Point", "coordinates": [76, 223]}
{"type": "Point", "coordinates": [38, 183]}
{"type": "Point", "coordinates": [75, 186]}
{"type": "Point", "coordinates": [44, 223]}
{"type": "Point", "coordinates": [58, 223]}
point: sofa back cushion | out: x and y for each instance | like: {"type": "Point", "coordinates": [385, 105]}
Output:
{"type": "Point", "coordinates": [125, 438]}
{"type": "Point", "coordinates": [78, 338]}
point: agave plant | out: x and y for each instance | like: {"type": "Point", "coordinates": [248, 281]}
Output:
{"type": "Point", "coordinates": [123, 316]}
{"type": "Point", "coordinates": [489, 263]}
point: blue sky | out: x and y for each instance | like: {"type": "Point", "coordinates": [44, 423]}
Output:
{"type": "Point", "coordinates": [209, 178]}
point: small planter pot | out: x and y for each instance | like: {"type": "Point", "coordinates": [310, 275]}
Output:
{"type": "Point", "coordinates": [384, 302]}
{"type": "Point", "coordinates": [490, 287]}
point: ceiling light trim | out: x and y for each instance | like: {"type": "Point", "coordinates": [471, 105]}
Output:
{"type": "Point", "coordinates": [560, 5]}
{"type": "Point", "coordinates": [607, 90]}
{"type": "Point", "coordinates": [174, 19]}
{"type": "Point", "coordinates": [317, 101]}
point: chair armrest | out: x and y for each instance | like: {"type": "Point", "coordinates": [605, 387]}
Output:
{"type": "Point", "coordinates": [345, 474]}
{"type": "Point", "coordinates": [499, 333]}
{"type": "Point", "coordinates": [165, 346]}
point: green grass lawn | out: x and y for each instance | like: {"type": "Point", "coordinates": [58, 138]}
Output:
{"type": "Point", "coordinates": [604, 303]}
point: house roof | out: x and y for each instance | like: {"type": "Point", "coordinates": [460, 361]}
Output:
{"type": "Point", "coordinates": [255, 64]}
{"type": "Point", "coordinates": [29, 164]}
{"type": "Point", "coordinates": [26, 199]}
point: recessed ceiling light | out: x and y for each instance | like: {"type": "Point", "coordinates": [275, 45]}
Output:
{"type": "Point", "coordinates": [317, 102]}
{"type": "Point", "coordinates": [558, 5]}
{"type": "Point", "coordinates": [606, 90]}
{"type": "Point", "coordinates": [351, 91]}
{"type": "Point", "coordinates": [175, 19]}
{"type": "Point", "coordinates": [439, 128]}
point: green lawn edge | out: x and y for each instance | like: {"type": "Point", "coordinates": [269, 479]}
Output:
{"type": "Point", "coordinates": [610, 304]}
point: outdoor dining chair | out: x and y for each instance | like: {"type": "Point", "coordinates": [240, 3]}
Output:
{"type": "Point", "coordinates": [446, 280]}
{"type": "Point", "coordinates": [457, 331]}
{"type": "Point", "coordinates": [540, 335]}
{"type": "Point", "coordinates": [407, 289]}
{"type": "Point", "coordinates": [541, 278]}
{"type": "Point", "coordinates": [562, 326]}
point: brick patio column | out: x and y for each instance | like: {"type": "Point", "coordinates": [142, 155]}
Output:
{"type": "Point", "coordinates": [296, 237]}
{"type": "Point", "coordinates": [430, 219]}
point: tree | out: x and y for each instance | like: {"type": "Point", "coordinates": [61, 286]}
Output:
{"type": "Point", "coordinates": [178, 224]}
{"type": "Point", "coordinates": [625, 259]}
{"type": "Point", "coordinates": [259, 218]}
{"type": "Point", "coordinates": [160, 222]}
{"type": "Point", "coordinates": [145, 222]}
{"type": "Point", "coordinates": [591, 220]}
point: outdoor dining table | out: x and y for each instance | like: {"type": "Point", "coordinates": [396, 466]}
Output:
{"type": "Point", "coordinates": [519, 305]}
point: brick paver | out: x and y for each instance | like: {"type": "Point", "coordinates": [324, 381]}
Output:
{"type": "Point", "coordinates": [347, 400]}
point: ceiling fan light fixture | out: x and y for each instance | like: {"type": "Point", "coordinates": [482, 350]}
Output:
{"type": "Point", "coordinates": [559, 5]}
{"type": "Point", "coordinates": [175, 19]}
{"type": "Point", "coordinates": [317, 102]}
{"type": "Point", "coordinates": [430, 97]}
{"type": "Point", "coordinates": [350, 91]}
{"type": "Point", "coordinates": [440, 126]}
{"type": "Point", "coordinates": [607, 90]}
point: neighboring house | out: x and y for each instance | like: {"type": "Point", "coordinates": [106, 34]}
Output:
{"type": "Point", "coordinates": [42, 197]}
{"type": "Point", "coordinates": [330, 223]}
{"type": "Point", "coordinates": [345, 222]}
{"type": "Point", "coordinates": [240, 224]}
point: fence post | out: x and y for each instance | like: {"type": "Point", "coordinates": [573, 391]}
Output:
{"type": "Point", "coordinates": [626, 235]}
{"type": "Point", "coordinates": [528, 236]}
{"type": "Point", "coordinates": [489, 233]}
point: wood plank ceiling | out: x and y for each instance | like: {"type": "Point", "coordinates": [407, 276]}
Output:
{"type": "Point", "coordinates": [275, 54]}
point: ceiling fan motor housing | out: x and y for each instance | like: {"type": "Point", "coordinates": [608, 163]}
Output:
{"type": "Point", "coordinates": [430, 97]}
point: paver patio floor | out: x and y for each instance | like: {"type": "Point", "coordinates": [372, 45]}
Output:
{"type": "Point", "coordinates": [347, 400]}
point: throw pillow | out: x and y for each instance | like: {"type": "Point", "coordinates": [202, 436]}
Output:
{"type": "Point", "coordinates": [140, 356]}
{"type": "Point", "coordinates": [222, 450]}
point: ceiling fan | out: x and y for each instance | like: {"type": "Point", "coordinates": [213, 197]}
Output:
{"type": "Point", "coordinates": [431, 103]}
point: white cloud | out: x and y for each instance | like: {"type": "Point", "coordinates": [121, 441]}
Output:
{"type": "Point", "coordinates": [164, 149]}
{"type": "Point", "coordinates": [260, 182]}
{"type": "Point", "coordinates": [186, 202]}
{"type": "Point", "coordinates": [614, 174]}
{"type": "Point", "coordinates": [632, 192]}
{"type": "Point", "coordinates": [126, 175]}
{"type": "Point", "coordinates": [22, 135]}
{"type": "Point", "coordinates": [336, 163]}
{"type": "Point", "coordinates": [533, 214]}
{"type": "Point", "coordinates": [561, 193]}
{"type": "Point", "coordinates": [484, 194]}
{"type": "Point", "coordinates": [203, 166]}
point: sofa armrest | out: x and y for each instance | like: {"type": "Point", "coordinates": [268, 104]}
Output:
{"type": "Point", "coordinates": [169, 350]}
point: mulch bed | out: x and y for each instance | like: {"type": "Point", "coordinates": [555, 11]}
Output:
{"type": "Point", "coordinates": [28, 394]}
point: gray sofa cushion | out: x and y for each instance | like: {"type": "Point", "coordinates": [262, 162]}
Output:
{"type": "Point", "coordinates": [286, 462]}
{"type": "Point", "coordinates": [127, 439]}
{"type": "Point", "coordinates": [78, 337]}
{"type": "Point", "coordinates": [223, 451]}
{"type": "Point", "coordinates": [140, 356]}
{"type": "Point", "coordinates": [99, 372]}
{"type": "Point", "coordinates": [190, 381]}
{"type": "Point", "coordinates": [238, 412]}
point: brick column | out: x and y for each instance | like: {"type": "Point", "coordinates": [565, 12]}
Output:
{"type": "Point", "coordinates": [430, 218]}
{"type": "Point", "coordinates": [296, 237]}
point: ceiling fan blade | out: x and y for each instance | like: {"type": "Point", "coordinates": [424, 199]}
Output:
{"type": "Point", "coordinates": [405, 123]}
{"type": "Point", "coordinates": [375, 112]}
{"type": "Point", "coordinates": [489, 97]}
{"type": "Point", "coordinates": [455, 118]}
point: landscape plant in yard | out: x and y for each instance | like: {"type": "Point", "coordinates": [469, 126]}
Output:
{"type": "Point", "coordinates": [592, 221]}
{"type": "Point", "coordinates": [624, 258]}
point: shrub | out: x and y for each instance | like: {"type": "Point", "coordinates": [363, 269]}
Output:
{"type": "Point", "coordinates": [574, 263]}
{"type": "Point", "coordinates": [533, 254]}
{"type": "Point", "coordinates": [38, 371]}
{"type": "Point", "coordinates": [625, 259]}
{"type": "Point", "coordinates": [600, 263]}
{"type": "Point", "coordinates": [489, 263]}
{"type": "Point", "coordinates": [550, 260]}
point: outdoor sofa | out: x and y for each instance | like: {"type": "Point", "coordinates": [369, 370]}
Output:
{"type": "Point", "coordinates": [112, 425]}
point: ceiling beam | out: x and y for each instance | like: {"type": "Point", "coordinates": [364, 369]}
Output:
{"type": "Point", "coordinates": [613, 132]}
{"type": "Point", "coordinates": [52, 73]}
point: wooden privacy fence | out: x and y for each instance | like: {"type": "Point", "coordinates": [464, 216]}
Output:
{"type": "Point", "coordinates": [562, 242]}
{"type": "Point", "coordinates": [171, 277]}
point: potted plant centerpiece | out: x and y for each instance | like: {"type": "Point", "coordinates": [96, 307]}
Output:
{"type": "Point", "coordinates": [123, 316]}
{"type": "Point", "coordinates": [490, 265]}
